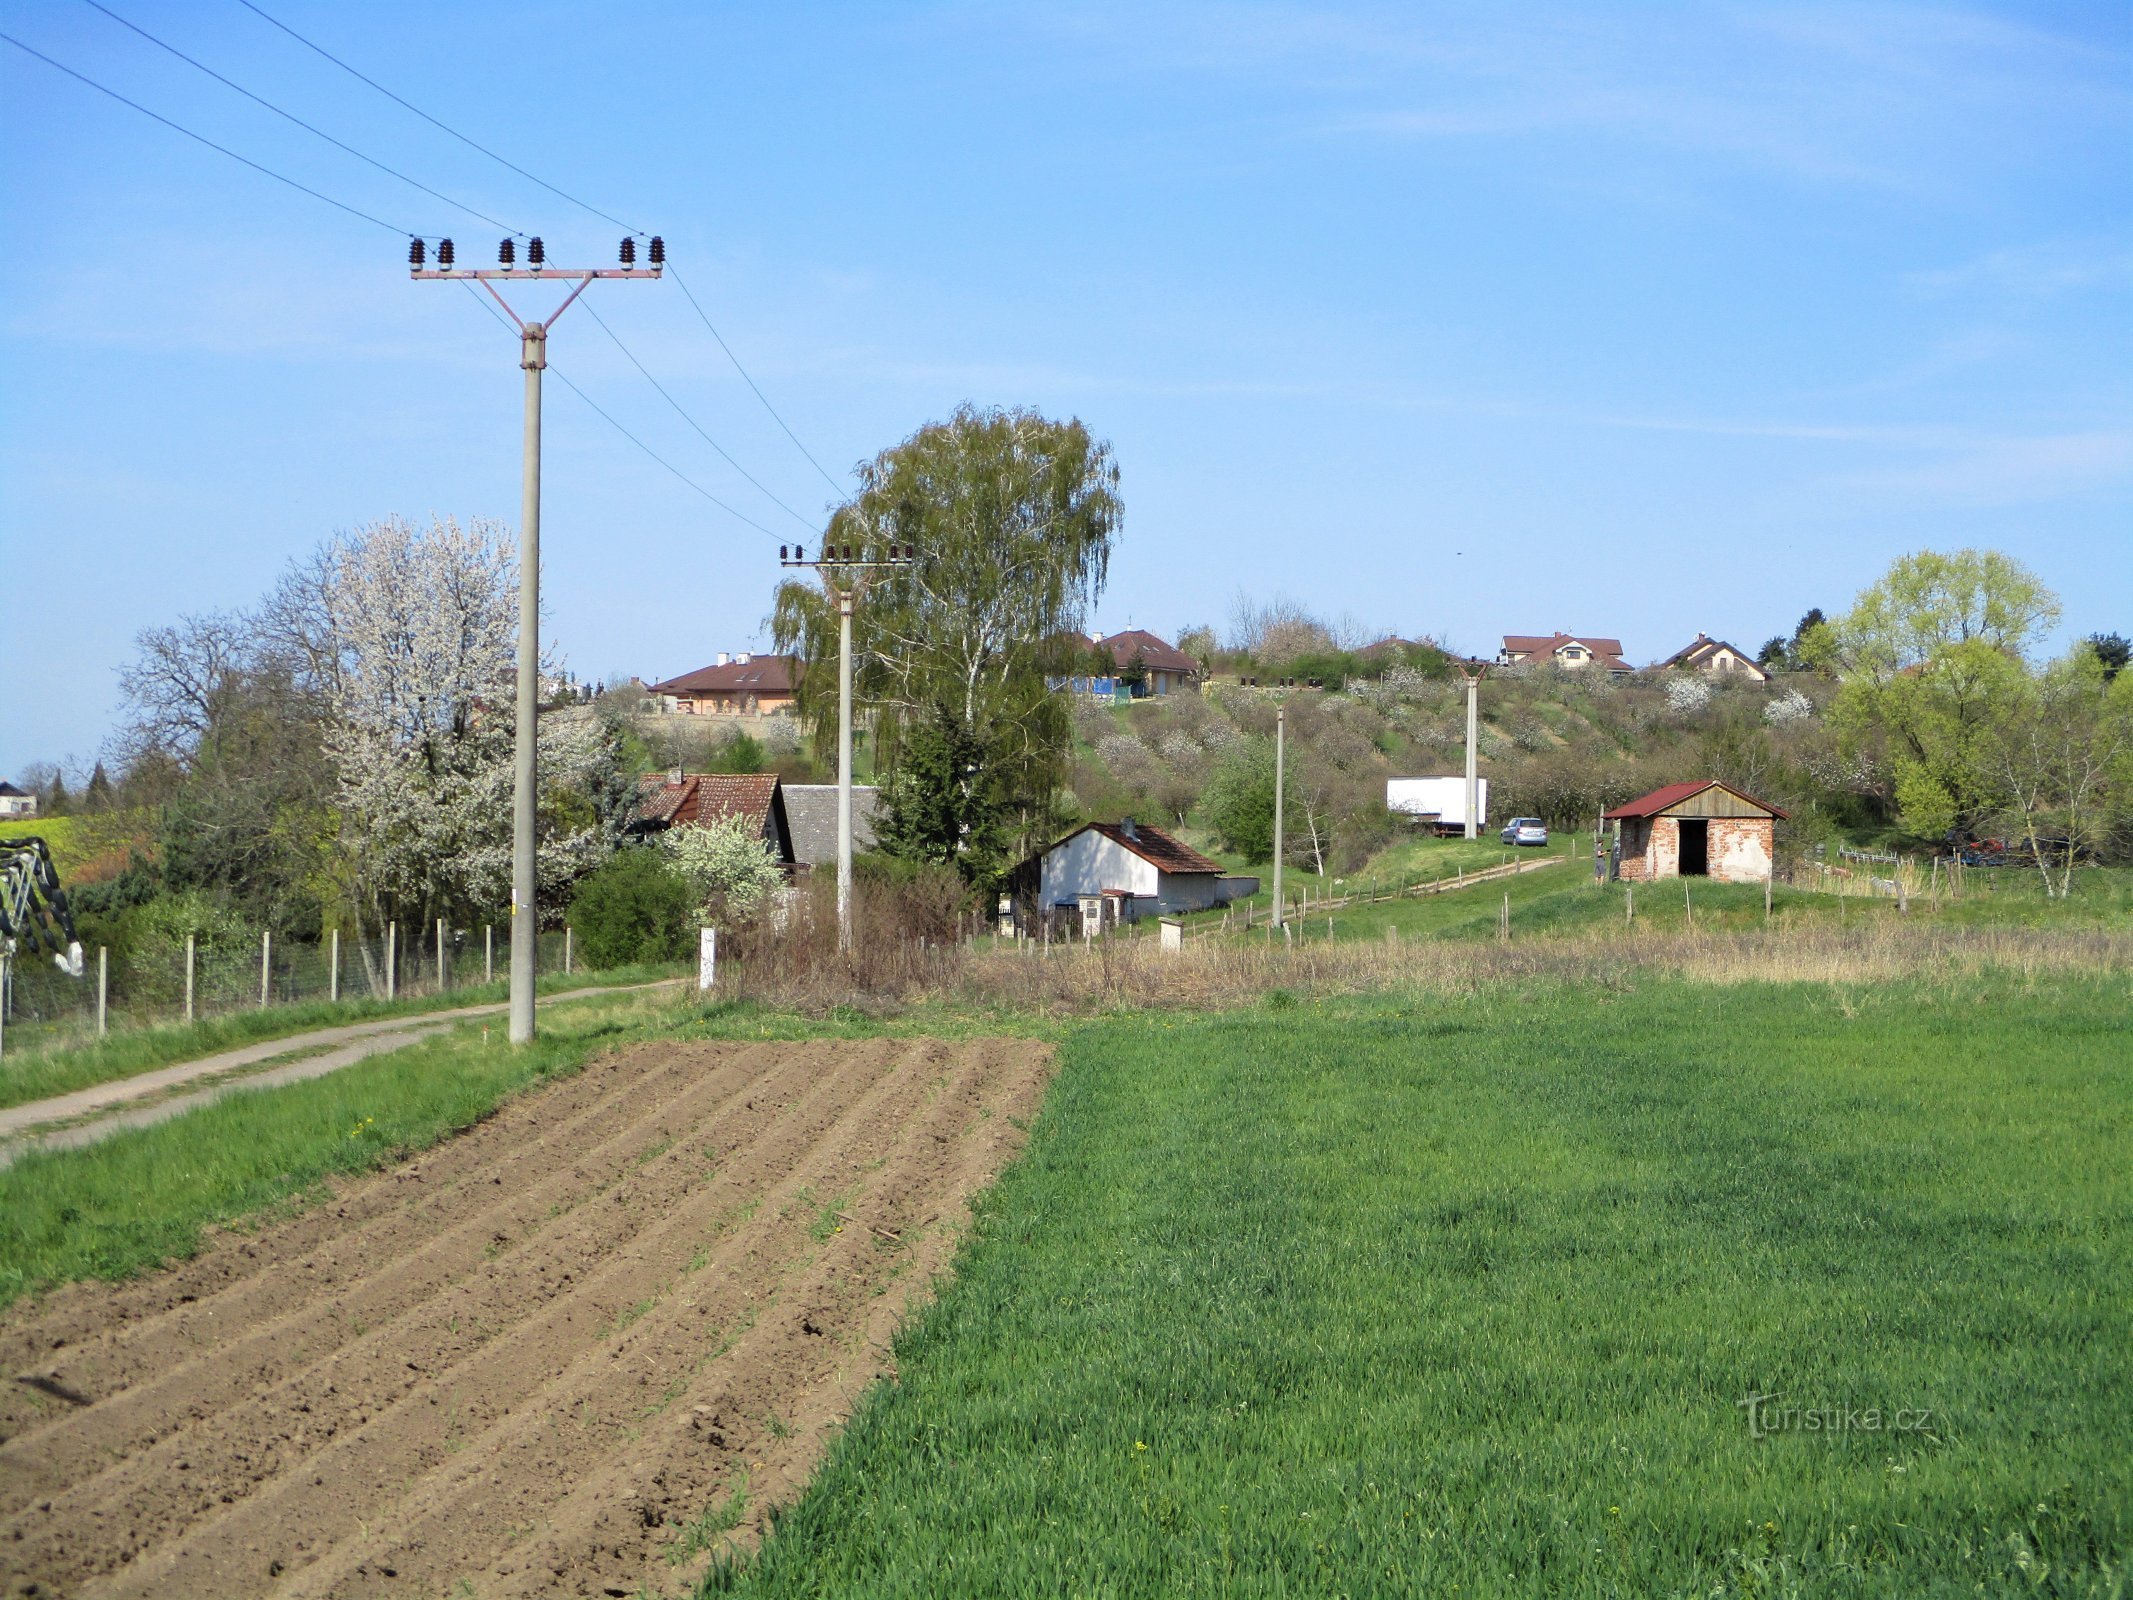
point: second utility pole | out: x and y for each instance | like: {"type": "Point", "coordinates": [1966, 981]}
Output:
{"type": "Point", "coordinates": [525, 746]}
{"type": "Point", "coordinates": [1281, 730]}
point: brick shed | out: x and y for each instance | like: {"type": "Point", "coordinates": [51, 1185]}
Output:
{"type": "Point", "coordinates": [1695, 830]}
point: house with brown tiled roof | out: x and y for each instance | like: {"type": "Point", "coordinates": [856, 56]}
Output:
{"type": "Point", "coordinates": [1571, 651]}
{"type": "Point", "coordinates": [1719, 659]}
{"type": "Point", "coordinates": [681, 799]}
{"type": "Point", "coordinates": [750, 685]}
{"type": "Point", "coordinates": [1166, 668]}
{"type": "Point", "coordinates": [1107, 873]}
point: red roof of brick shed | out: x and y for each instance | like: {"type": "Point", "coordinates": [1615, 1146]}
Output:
{"type": "Point", "coordinates": [1663, 800]}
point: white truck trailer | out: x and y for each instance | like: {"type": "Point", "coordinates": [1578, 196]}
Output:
{"type": "Point", "coordinates": [1437, 803]}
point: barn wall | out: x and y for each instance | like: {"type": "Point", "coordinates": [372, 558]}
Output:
{"type": "Point", "coordinates": [1741, 848]}
{"type": "Point", "coordinates": [1189, 891]}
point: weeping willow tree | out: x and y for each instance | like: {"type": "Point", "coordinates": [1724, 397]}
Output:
{"type": "Point", "coordinates": [1010, 516]}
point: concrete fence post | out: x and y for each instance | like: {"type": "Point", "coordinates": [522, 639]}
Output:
{"type": "Point", "coordinates": [488, 952]}
{"type": "Point", "coordinates": [103, 990]}
{"type": "Point", "coordinates": [392, 974]}
{"type": "Point", "coordinates": [333, 969]}
{"type": "Point", "coordinates": [266, 965]}
{"type": "Point", "coordinates": [440, 955]}
{"type": "Point", "coordinates": [7, 971]}
{"type": "Point", "coordinates": [566, 949]}
{"type": "Point", "coordinates": [1629, 903]}
{"type": "Point", "coordinates": [1503, 918]}
{"type": "Point", "coordinates": [188, 977]}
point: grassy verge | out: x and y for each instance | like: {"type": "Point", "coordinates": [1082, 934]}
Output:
{"type": "Point", "coordinates": [37, 1074]}
{"type": "Point", "coordinates": [1463, 1296]}
{"type": "Point", "coordinates": [145, 1195]}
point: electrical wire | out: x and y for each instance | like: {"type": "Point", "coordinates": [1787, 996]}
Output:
{"type": "Point", "coordinates": [338, 205]}
{"type": "Point", "coordinates": [618, 427]}
{"type": "Point", "coordinates": [582, 205]}
{"type": "Point", "coordinates": [743, 371]}
{"type": "Point", "coordinates": [692, 422]}
{"type": "Point", "coordinates": [458, 205]}
{"type": "Point", "coordinates": [433, 122]}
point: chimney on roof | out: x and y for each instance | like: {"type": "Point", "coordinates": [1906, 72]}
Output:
{"type": "Point", "coordinates": [723, 660]}
{"type": "Point", "coordinates": [674, 775]}
{"type": "Point", "coordinates": [1129, 830]}
{"type": "Point", "coordinates": [742, 659]}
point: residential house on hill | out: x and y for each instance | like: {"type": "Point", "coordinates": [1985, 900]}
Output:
{"type": "Point", "coordinates": [1718, 658]}
{"type": "Point", "coordinates": [751, 685]}
{"type": "Point", "coordinates": [1166, 668]}
{"type": "Point", "coordinates": [679, 799]}
{"type": "Point", "coordinates": [1572, 652]}
{"type": "Point", "coordinates": [812, 811]}
{"type": "Point", "coordinates": [16, 803]}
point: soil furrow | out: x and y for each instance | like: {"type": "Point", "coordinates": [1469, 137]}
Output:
{"type": "Point", "coordinates": [617, 1398]}
{"type": "Point", "coordinates": [535, 1385]}
{"type": "Point", "coordinates": [64, 1340]}
{"type": "Point", "coordinates": [197, 1379]}
{"type": "Point", "coordinates": [224, 1457]}
{"type": "Point", "coordinates": [404, 1421]}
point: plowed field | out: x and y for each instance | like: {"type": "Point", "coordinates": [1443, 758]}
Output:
{"type": "Point", "coordinates": [524, 1363]}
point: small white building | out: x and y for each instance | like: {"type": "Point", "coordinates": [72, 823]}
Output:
{"type": "Point", "coordinates": [1106, 873]}
{"type": "Point", "coordinates": [16, 803]}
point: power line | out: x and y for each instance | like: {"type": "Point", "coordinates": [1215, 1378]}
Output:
{"type": "Point", "coordinates": [743, 371]}
{"type": "Point", "coordinates": [692, 422]}
{"type": "Point", "coordinates": [433, 122]}
{"type": "Point", "coordinates": [619, 428]}
{"type": "Point", "coordinates": [290, 116]}
{"type": "Point", "coordinates": [338, 205]}
{"type": "Point", "coordinates": [836, 487]}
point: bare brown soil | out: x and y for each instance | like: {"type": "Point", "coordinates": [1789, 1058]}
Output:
{"type": "Point", "coordinates": [529, 1362]}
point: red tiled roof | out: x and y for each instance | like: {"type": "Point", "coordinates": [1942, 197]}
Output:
{"type": "Point", "coordinates": [1156, 654]}
{"type": "Point", "coordinates": [1532, 644]}
{"type": "Point", "coordinates": [1673, 794]}
{"type": "Point", "coordinates": [756, 675]}
{"type": "Point", "coordinates": [705, 797]}
{"type": "Point", "coordinates": [1154, 846]}
{"type": "Point", "coordinates": [1690, 655]}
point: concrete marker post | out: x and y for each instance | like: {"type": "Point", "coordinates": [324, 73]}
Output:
{"type": "Point", "coordinates": [440, 955]}
{"type": "Point", "coordinates": [103, 990]}
{"type": "Point", "coordinates": [392, 951]}
{"type": "Point", "coordinates": [488, 952]}
{"type": "Point", "coordinates": [188, 977]}
{"type": "Point", "coordinates": [266, 965]}
{"type": "Point", "coordinates": [333, 969]}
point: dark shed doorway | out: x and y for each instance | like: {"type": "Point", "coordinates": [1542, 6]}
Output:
{"type": "Point", "coordinates": [1695, 847]}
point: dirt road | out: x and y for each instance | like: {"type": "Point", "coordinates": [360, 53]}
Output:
{"type": "Point", "coordinates": [525, 1363]}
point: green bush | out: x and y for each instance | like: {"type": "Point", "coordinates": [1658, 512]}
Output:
{"type": "Point", "coordinates": [634, 908]}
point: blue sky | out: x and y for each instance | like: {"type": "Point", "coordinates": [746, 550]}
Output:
{"type": "Point", "coordinates": [1627, 320]}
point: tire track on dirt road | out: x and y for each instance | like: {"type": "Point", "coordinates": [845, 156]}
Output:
{"type": "Point", "coordinates": [589, 1314]}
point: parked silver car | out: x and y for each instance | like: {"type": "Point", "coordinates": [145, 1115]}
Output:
{"type": "Point", "coordinates": [1524, 830]}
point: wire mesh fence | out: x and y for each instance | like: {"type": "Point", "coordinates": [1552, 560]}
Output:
{"type": "Point", "coordinates": [41, 1005]}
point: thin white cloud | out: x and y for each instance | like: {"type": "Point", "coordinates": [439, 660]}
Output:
{"type": "Point", "coordinates": [2035, 271]}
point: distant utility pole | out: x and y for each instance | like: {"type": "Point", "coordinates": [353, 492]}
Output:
{"type": "Point", "coordinates": [1471, 673]}
{"type": "Point", "coordinates": [1281, 740]}
{"type": "Point", "coordinates": [533, 357]}
{"type": "Point", "coordinates": [845, 573]}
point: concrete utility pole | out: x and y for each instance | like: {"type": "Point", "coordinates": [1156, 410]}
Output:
{"type": "Point", "coordinates": [1471, 673]}
{"type": "Point", "coordinates": [845, 573]}
{"type": "Point", "coordinates": [533, 357]}
{"type": "Point", "coordinates": [1281, 741]}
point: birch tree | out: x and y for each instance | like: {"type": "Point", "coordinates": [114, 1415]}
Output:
{"type": "Point", "coordinates": [1011, 516]}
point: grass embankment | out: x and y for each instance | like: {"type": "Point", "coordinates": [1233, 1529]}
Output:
{"type": "Point", "coordinates": [1414, 860]}
{"type": "Point", "coordinates": [61, 1069]}
{"type": "Point", "coordinates": [1464, 1296]}
{"type": "Point", "coordinates": [144, 1195]}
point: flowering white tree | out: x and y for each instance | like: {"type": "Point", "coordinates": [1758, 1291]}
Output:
{"type": "Point", "coordinates": [727, 863]}
{"type": "Point", "coordinates": [413, 638]}
{"type": "Point", "coordinates": [1687, 692]}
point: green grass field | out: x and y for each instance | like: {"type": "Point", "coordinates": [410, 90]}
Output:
{"type": "Point", "coordinates": [1463, 1297]}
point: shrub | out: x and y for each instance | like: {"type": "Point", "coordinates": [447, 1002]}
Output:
{"type": "Point", "coordinates": [635, 908]}
{"type": "Point", "coordinates": [726, 865]}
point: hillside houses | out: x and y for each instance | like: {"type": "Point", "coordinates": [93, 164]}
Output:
{"type": "Point", "coordinates": [744, 684]}
{"type": "Point", "coordinates": [1571, 652]}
